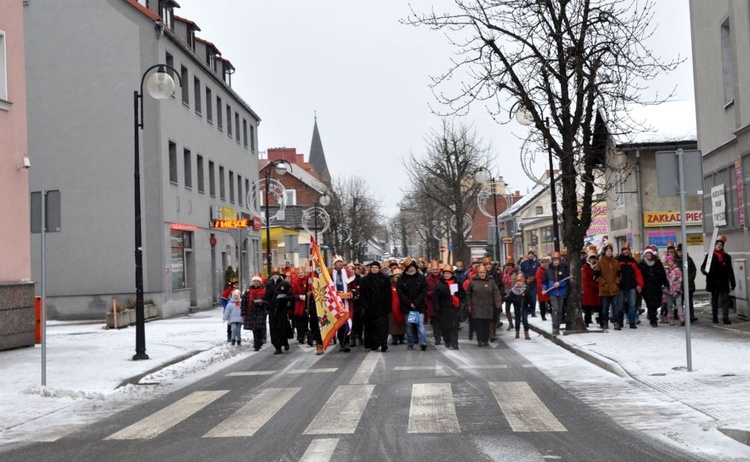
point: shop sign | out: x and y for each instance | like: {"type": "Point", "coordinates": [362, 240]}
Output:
{"type": "Point", "coordinates": [660, 219]}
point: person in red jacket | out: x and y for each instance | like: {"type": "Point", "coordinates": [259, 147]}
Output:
{"type": "Point", "coordinates": [541, 296]}
{"type": "Point", "coordinates": [433, 276]}
{"type": "Point", "coordinates": [591, 302]}
{"type": "Point", "coordinates": [509, 280]}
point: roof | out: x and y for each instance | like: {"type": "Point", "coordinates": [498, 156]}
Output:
{"type": "Point", "coordinates": [208, 44]}
{"type": "Point", "coordinates": [525, 200]}
{"type": "Point", "coordinates": [301, 174]}
{"type": "Point", "coordinates": [317, 156]}
{"type": "Point", "coordinates": [187, 21]}
{"type": "Point", "coordinates": [144, 10]}
{"type": "Point", "coordinates": [667, 122]}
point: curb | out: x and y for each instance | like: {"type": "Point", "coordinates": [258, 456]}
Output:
{"type": "Point", "coordinates": [741, 434]}
{"type": "Point", "coordinates": [137, 378]}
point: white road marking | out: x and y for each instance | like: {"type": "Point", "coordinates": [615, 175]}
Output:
{"type": "Point", "coordinates": [432, 409]}
{"type": "Point", "coordinates": [523, 409]}
{"type": "Point", "coordinates": [250, 373]}
{"type": "Point", "coordinates": [493, 366]}
{"type": "Point", "coordinates": [320, 370]}
{"type": "Point", "coordinates": [417, 368]}
{"type": "Point", "coordinates": [528, 366]}
{"type": "Point", "coordinates": [366, 369]}
{"type": "Point", "coordinates": [320, 450]}
{"type": "Point", "coordinates": [253, 415]}
{"type": "Point", "coordinates": [341, 413]}
{"type": "Point", "coordinates": [168, 417]}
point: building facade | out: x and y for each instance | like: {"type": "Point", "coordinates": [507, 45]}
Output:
{"type": "Point", "coordinates": [198, 156]}
{"type": "Point", "coordinates": [721, 65]}
{"type": "Point", "coordinates": [16, 289]}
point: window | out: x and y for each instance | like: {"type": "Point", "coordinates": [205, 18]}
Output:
{"type": "Point", "coordinates": [201, 182]}
{"type": "Point", "coordinates": [197, 96]}
{"type": "Point", "coordinates": [222, 196]}
{"type": "Point", "coordinates": [172, 163]}
{"type": "Point", "coordinates": [188, 164]}
{"type": "Point", "coordinates": [185, 86]}
{"type": "Point", "coordinates": [252, 137]}
{"type": "Point", "coordinates": [244, 132]}
{"type": "Point", "coordinates": [247, 189]}
{"type": "Point", "coordinates": [239, 190]}
{"type": "Point", "coordinates": [211, 179]}
{"type": "Point", "coordinates": [218, 113]}
{"type": "Point", "coordinates": [3, 72]}
{"type": "Point", "coordinates": [209, 105]}
{"type": "Point", "coordinates": [167, 14]}
{"type": "Point", "coordinates": [191, 39]}
{"type": "Point", "coordinates": [727, 65]}
{"type": "Point", "coordinates": [181, 242]}
{"type": "Point", "coordinates": [539, 210]}
{"type": "Point", "coordinates": [229, 121]}
{"type": "Point", "coordinates": [237, 125]}
{"type": "Point", "coordinates": [290, 197]}
{"type": "Point", "coordinates": [169, 60]}
{"type": "Point", "coordinates": [231, 187]}
{"type": "Point", "coordinates": [619, 189]}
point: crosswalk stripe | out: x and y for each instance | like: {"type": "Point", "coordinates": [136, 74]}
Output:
{"type": "Point", "coordinates": [491, 366]}
{"type": "Point", "coordinates": [523, 409]}
{"type": "Point", "coordinates": [342, 411]}
{"type": "Point", "coordinates": [253, 415]}
{"type": "Point", "coordinates": [366, 369]}
{"type": "Point", "coordinates": [417, 368]}
{"type": "Point", "coordinates": [432, 409]}
{"type": "Point", "coordinates": [528, 366]}
{"type": "Point", "coordinates": [320, 450]}
{"type": "Point", "coordinates": [250, 373]}
{"type": "Point", "coordinates": [318, 370]}
{"type": "Point", "coordinates": [168, 417]}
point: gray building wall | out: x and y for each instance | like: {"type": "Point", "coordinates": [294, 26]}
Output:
{"type": "Point", "coordinates": [81, 77]}
{"type": "Point", "coordinates": [723, 135]}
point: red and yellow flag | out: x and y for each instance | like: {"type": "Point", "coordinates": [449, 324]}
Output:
{"type": "Point", "coordinates": [332, 313]}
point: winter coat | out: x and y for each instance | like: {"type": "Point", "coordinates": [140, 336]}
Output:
{"type": "Point", "coordinates": [541, 274]}
{"type": "Point", "coordinates": [721, 276]}
{"type": "Point", "coordinates": [630, 274]}
{"type": "Point", "coordinates": [233, 312]}
{"type": "Point", "coordinates": [590, 287]}
{"type": "Point", "coordinates": [557, 274]}
{"type": "Point", "coordinates": [461, 275]}
{"type": "Point", "coordinates": [375, 295]}
{"type": "Point", "coordinates": [483, 297]}
{"type": "Point", "coordinates": [447, 305]}
{"type": "Point", "coordinates": [607, 273]}
{"type": "Point", "coordinates": [528, 268]}
{"type": "Point", "coordinates": [412, 289]}
{"type": "Point", "coordinates": [432, 281]}
{"type": "Point", "coordinates": [692, 271]}
{"type": "Point", "coordinates": [254, 308]}
{"type": "Point", "coordinates": [674, 277]}
{"type": "Point", "coordinates": [654, 281]}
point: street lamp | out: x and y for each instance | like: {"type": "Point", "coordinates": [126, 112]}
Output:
{"type": "Point", "coordinates": [323, 200]}
{"type": "Point", "coordinates": [524, 117]}
{"type": "Point", "coordinates": [484, 177]}
{"type": "Point", "coordinates": [160, 85]}
{"type": "Point", "coordinates": [281, 167]}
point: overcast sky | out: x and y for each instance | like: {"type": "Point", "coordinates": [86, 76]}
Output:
{"type": "Point", "coordinates": [367, 77]}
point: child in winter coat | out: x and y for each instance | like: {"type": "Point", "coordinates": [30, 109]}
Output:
{"type": "Point", "coordinates": [674, 291]}
{"type": "Point", "coordinates": [233, 316]}
{"type": "Point", "coordinates": [516, 297]}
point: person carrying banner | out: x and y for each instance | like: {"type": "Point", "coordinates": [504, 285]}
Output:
{"type": "Point", "coordinates": [342, 280]}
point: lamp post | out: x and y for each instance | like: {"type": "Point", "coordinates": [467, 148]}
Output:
{"type": "Point", "coordinates": [484, 177]}
{"type": "Point", "coordinates": [281, 167]}
{"type": "Point", "coordinates": [524, 117]}
{"type": "Point", "coordinates": [160, 85]}
{"type": "Point", "coordinates": [323, 200]}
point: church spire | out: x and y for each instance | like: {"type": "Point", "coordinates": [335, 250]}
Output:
{"type": "Point", "coordinates": [317, 156]}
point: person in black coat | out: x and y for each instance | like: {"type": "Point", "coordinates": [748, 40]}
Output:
{"type": "Point", "coordinates": [446, 302]}
{"type": "Point", "coordinates": [375, 297]}
{"type": "Point", "coordinates": [654, 282]}
{"type": "Point", "coordinates": [412, 290]}
{"type": "Point", "coordinates": [719, 280]}
{"type": "Point", "coordinates": [279, 299]}
{"type": "Point", "coordinates": [692, 272]}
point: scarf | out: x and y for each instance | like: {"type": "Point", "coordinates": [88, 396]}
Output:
{"type": "Point", "coordinates": [455, 299]}
{"type": "Point", "coordinates": [719, 256]}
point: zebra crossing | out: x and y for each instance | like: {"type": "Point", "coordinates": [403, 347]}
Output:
{"type": "Point", "coordinates": [432, 409]}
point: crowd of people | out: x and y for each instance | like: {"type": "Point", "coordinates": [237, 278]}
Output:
{"type": "Point", "coordinates": [400, 299]}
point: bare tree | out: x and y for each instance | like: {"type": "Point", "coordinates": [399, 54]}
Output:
{"type": "Point", "coordinates": [355, 216]}
{"type": "Point", "coordinates": [567, 63]}
{"type": "Point", "coordinates": [442, 180]}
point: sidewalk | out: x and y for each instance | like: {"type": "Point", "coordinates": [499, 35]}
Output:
{"type": "Point", "coordinates": [719, 383]}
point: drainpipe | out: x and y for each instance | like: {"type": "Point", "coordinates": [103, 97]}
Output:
{"type": "Point", "coordinates": [640, 197]}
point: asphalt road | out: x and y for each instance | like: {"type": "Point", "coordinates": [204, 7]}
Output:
{"type": "Point", "coordinates": [474, 404]}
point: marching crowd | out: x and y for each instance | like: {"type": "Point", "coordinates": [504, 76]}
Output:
{"type": "Point", "coordinates": [400, 299]}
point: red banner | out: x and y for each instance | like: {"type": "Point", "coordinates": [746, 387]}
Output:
{"type": "Point", "coordinates": [332, 313]}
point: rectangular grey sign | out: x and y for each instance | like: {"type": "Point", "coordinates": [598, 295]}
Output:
{"type": "Point", "coordinates": [668, 177]}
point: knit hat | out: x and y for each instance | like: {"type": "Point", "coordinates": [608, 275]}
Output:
{"type": "Point", "coordinates": [338, 258]}
{"type": "Point", "coordinates": [256, 277]}
{"type": "Point", "coordinates": [650, 249]}
{"type": "Point", "coordinates": [669, 259]}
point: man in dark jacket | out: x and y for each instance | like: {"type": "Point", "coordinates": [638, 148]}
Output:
{"type": "Point", "coordinates": [412, 290]}
{"type": "Point", "coordinates": [528, 268]}
{"type": "Point", "coordinates": [631, 283]}
{"type": "Point", "coordinates": [692, 272]}
{"type": "Point", "coordinates": [719, 280]}
{"type": "Point", "coordinates": [375, 297]}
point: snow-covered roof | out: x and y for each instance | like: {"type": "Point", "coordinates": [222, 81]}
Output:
{"type": "Point", "coordinates": [671, 121]}
{"type": "Point", "coordinates": [526, 199]}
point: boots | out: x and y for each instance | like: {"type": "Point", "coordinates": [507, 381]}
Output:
{"type": "Point", "coordinates": [319, 349]}
{"type": "Point", "coordinates": [670, 319]}
{"type": "Point", "coordinates": [682, 319]}
{"type": "Point", "coordinates": [526, 335]}
{"type": "Point", "coordinates": [510, 321]}
{"type": "Point", "coordinates": [518, 334]}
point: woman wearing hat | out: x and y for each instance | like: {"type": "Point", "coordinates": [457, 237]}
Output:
{"type": "Point", "coordinates": [719, 280]}
{"type": "Point", "coordinates": [447, 304]}
{"type": "Point", "coordinates": [591, 302]}
{"type": "Point", "coordinates": [254, 310]}
{"type": "Point", "coordinates": [396, 326]}
{"type": "Point", "coordinates": [607, 274]}
{"type": "Point", "coordinates": [483, 296]}
{"type": "Point", "coordinates": [509, 278]}
{"type": "Point", "coordinates": [375, 295]}
{"type": "Point", "coordinates": [654, 282]}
